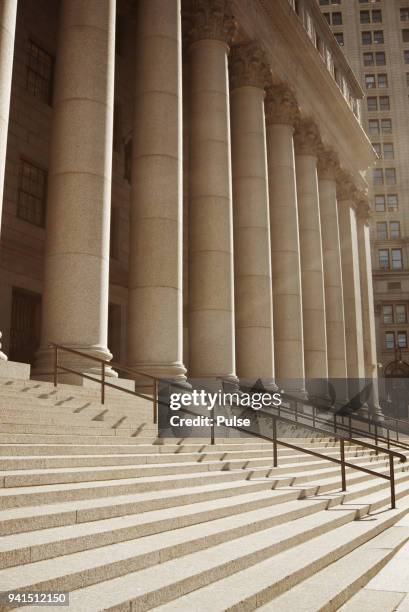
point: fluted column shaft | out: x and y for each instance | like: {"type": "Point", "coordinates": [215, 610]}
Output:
{"type": "Point", "coordinates": [351, 288]}
{"type": "Point", "coordinates": [334, 299]}
{"type": "Point", "coordinates": [211, 332]}
{"type": "Point", "coordinates": [8, 11]}
{"type": "Point", "coordinates": [312, 272]}
{"type": "Point", "coordinates": [76, 274]}
{"type": "Point", "coordinates": [285, 246]}
{"type": "Point", "coordinates": [155, 340]}
{"type": "Point", "coordinates": [252, 256]}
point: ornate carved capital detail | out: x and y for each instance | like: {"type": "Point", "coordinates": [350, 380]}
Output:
{"type": "Point", "coordinates": [307, 138]}
{"type": "Point", "coordinates": [363, 207]}
{"type": "Point", "coordinates": [346, 190]}
{"type": "Point", "coordinates": [328, 163]}
{"type": "Point", "coordinates": [281, 105]}
{"type": "Point", "coordinates": [248, 66]}
{"type": "Point", "coordinates": [212, 20]}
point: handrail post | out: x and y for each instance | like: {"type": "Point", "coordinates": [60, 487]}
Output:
{"type": "Point", "coordinates": [388, 436]}
{"type": "Point", "coordinates": [392, 480]}
{"type": "Point", "coordinates": [275, 453]}
{"type": "Point", "coordinates": [296, 412]}
{"type": "Point", "coordinates": [313, 415]}
{"type": "Point", "coordinates": [155, 402]}
{"type": "Point", "coordinates": [212, 432]}
{"type": "Point", "coordinates": [343, 474]}
{"type": "Point", "coordinates": [335, 423]}
{"type": "Point", "coordinates": [55, 365]}
{"type": "Point", "coordinates": [397, 431]}
{"type": "Point", "coordinates": [376, 437]}
{"type": "Point", "coordinates": [350, 426]}
{"type": "Point", "coordinates": [103, 382]}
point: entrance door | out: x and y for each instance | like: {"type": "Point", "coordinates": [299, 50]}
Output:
{"type": "Point", "coordinates": [25, 325]}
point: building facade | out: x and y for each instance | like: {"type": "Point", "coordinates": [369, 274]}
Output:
{"type": "Point", "coordinates": [184, 189]}
{"type": "Point", "coordinates": [375, 38]}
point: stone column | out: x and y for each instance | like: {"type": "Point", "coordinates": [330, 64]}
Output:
{"type": "Point", "coordinates": [331, 247]}
{"type": "Point", "coordinates": [155, 332]}
{"type": "Point", "coordinates": [76, 273]}
{"type": "Point", "coordinates": [211, 333]}
{"type": "Point", "coordinates": [252, 256]}
{"type": "Point", "coordinates": [351, 280]}
{"type": "Point", "coordinates": [8, 11]}
{"type": "Point", "coordinates": [312, 273]}
{"type": "Point", "coordinates": [367, 298]}
{"type": "Point", "coordinates": [281, 114]}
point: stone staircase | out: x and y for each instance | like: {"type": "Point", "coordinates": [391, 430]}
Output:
{"type": "Point", "coordinates": [92, 503]}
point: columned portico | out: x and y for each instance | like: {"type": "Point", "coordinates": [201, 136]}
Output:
{"type": "Point", "coordinates": [155, 341]}
{"type": "Point", "coordinates": [252, 257]}
{"type": "Point", "coordinates": [211, 283]}
{"type": "Point", "coordinates": [281, 114]}
{"type": "Point", "coordinates": [8, 11]}
{"type": "Point", "coordinates": [76, 273]}
{"type": "Point", "coordinates": [351, 289]}
{"type": "Point", "coordinates": [334, 299]}
{"type": "Point", "coordinates": [307, 142]}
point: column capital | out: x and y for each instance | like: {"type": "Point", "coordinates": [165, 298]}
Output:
{"type": "Point", "coordinates": [307, 138]}
{"type": "Point", "coordinates": [248, 66]}
{"type": "Point", "coordinates": [212, 20]}
{"type": "Point", "coordinates": [363, 207]}
{"type": "Point", "coordinates": [328, 163]}
{"type": "Point", "coordinates": [346, 190]}
{"type": "Point", "coordinates": [281, 105]}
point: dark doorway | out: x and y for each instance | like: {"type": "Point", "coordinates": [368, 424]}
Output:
{"type": "Point", "coordinates": [25, 325]}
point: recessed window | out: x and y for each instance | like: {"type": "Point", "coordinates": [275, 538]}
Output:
{"type": "Point", "coordinates": [370, 81]}
{"type": "Point", "coordinates": [394, 286]}
{"type": "Point", "coordinates": [39, 72]}
{"type": "Point", "coordinates": [378, 176]}
{"type": "Point", "coordinates": [386, 126]}
{"type": "Point", "coordinates": [382, 81]}
{"type": "Point", "coordinates": [387, 313]}
{"type": "Point", "coordinates": [339, 37]}
{"type": "Point", "coordinates": [114, 235]}
{"type": "Point", "coordinates": [366, 38]}
{"type": "Point", "coordinates": [390, 340]}
{"type": "Point", "coordinates": [372, 103]}
{"type": "Point", "coordinates": [382, 230]}
{"type": "Point", "coordinates": [380, 58]}
{"type": "Point", "coordinates": [404, 14]}
{"type": "Point", "coordinates": [405, 35]}
{"type": "Point", "coordinates": [406, 57]}
{"type": "Point", "coordinates": [378, 149]}
{"type": "Point", "coordinates": [383, 258]}
{"type": "Point", "coordinates": [401, 313]}
{"type": "Point", "coordinates": [388, 150]}
{"type": "Point", "coordinates": [390, 176]}
{"type": "Point", "coordinates": [394, 229]}
{"type": "Point", "coordinates": [402, 339]}
{"type": "Point", "coordinates": [384, 103]}
{"type": "Point", "coordinates": [376, 16]}
{"type": "Point", "coordinates": [380, 203]}
{"type": "Point", "coordinates": [378, 38]}
{"type": "Point", "coordinates": [397, 259]}
{"type": "Point", "coordinates": [364, 17]}
{"type": "Point", "coordinates": [393, 202]}
{"type": "Point", "coordinates": [32, 193]}
{"type": "Point", "coordinates": [369, 59]}
{"type": "Point", "coordinates": [373, 126]}
{"type": "Point", "coordinates": [336, 19]}
{"type": "Point", "coordinates": [128, 161]}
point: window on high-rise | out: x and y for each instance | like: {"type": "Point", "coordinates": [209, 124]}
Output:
{"type": "Point", "coordinates": [384, 104]}
{"type": "Point", "coordinates": [390, 176]}
{"type": "Point", "coordinates": [406, 56]}
{"type": "Point", "coordinates": [378, 38]}
{"type": "Point", "coordinates": [388, 150]}
{"type": "Point", "coordinates": [378, 149]}
{"type": "Point", "coordinates": [390, 340]}
{"type": "Point", "coordinates": [339, 37]}
{"type": "Point", "coordinates": [382, 81]}
{"type": "Point", "coordinates": [32, 193]}
{"type": "Point", "coordinates": [402, 339]}
{"type": "Point", "coordinates": [397, 259]}
{"type": "Point", "coordinates": [387, 314]}
{"type": "Point", "coordinates": [369, 59]}
{"type": "Point", "coordinates": [380, 203]}
{"type": "Point", "coordinates": [370, 81]}
{"type": "Point", "coordinates": [365, 17]}
{"type": "Point", "coordinates": [401, 315]}
{"type": "Point", "coordinates": [378, 176]}
{"type": "Point", "coordinates": [366, 38]}
{"type": "Point", "coordinates": [39, 72]}
{"type": "Point", "coordinates": [394, 229]}
{"type": "Point", "coordinates": [382, 230]}
{"type": "Point", "coordinates": [404, 13]}
{"type": "Point", "coordinates": [383, 259]}
{"type": "Point", "coordinates": [336, 18]}
{"type": "Point", "coordinates": [373, 126]}
{"type": "Point", "coordinates": [393, 201]}
{"type": "Point", "coordinates": [372, 103]}
{"type": "Point", "coordinates": [405, 35]}
{"type": "Point", "coordinates": [386, 126]}
{"type": "Point", "coordinates": [376, 16]}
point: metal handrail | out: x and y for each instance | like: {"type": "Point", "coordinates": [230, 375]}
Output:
{"type": "Point", "coordinates": [154, 399]}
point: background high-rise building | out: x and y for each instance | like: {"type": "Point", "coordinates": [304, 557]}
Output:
{"type": "Point", "coordinates": [374, 35]}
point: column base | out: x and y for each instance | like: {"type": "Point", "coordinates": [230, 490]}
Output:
{"type": "Point", "coordinates": [44, 365]}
